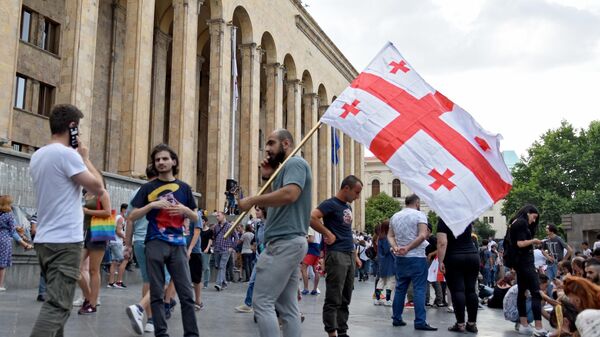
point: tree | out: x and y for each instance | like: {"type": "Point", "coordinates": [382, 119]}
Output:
{"type": "Point", "coordinates": [483, 230]}
{"type": "Point", "coordinates": [559, 174]}
{"type": "Point", "coordinates": [378, 208]}
{"type": "Point", "coordinates": [433, 219]}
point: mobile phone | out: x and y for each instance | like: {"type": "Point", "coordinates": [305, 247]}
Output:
{"type": "Point", "coordinates": [73, 133]}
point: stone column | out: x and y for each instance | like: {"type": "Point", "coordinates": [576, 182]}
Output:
{"type": "Point", "coordinates": [10, 11]}
{"type": "Point", "coordinates": [219, 114]}
{"type": "Point", "coordinates": [311, 153]}
{"type": "Point", "coordinates": [137, 81]}
{"type": "Point", "coordinates": [274, 76]}
{"type": "Point", "coordinates": [347, 157]}
{"type": "Point", "coordinates": [352, 153]}
{"type": "Point", "coordinates": [325, 165]}
{"type": "Point", "coordinates": [294, 108]}
{"type": "Point", "coordinates": [341, 156]}
{"type": "Point", "coordinates": [183, 124]}
{"type": "Point", "coordinates": [249, 118]}
{"type": "Point", "coordinates": [159, 86]}
{"type": "Point", "coordinates": [78, 55]}
{"type": "Point", "coordinates": [359, 213]}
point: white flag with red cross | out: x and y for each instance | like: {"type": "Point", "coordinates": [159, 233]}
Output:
{"type": "Point", "coordinates": [434, 146]}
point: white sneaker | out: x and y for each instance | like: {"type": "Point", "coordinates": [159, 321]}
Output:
{"type": "Point", "coordinates": [78, 302]}
{"type": "Point", "coordinates": [376, 302]}
{"type": "Point", "coordinates": [244, 308]}
{"type": "Point", "coordinates": [450, 309]}
{"type": "Point", "coordinates": [388, 303]}
{"type": "Point", "coordinates": [149, 327]}
{"type": "Point", "coordinates": [525, 330]}
{"type": "Point", "coordinates": [2, 289]}
{"type": "Point", "coordinates": [540, 333]}
{"type": "Point", "coordinates": [136, 318]}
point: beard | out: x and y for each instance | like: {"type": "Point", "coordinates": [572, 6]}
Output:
{"type": "Point", "coordinates": [277, 158]}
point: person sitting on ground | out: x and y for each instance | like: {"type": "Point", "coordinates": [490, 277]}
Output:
{"type": "Point", "coordinates": [592, 271]}
{"type": "Point", "coordinates": [500, 291]}
{"type": "Point", "coordinates": [578, 266]}
{"type": "Point", "coordinates": [562, 318]}
{"type": "Point", "coordinates": [582, 293]}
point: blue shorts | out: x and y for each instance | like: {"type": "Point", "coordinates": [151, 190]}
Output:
{"type": "Point", "coordinates": [139, 249]}
{"type": "Point", "coordinates": [116, 251]}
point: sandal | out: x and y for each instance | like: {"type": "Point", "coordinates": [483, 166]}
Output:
{"type": "Point", "coordinates": [457, 328]}
{"type": "Point", "coordinates": [471, 327]}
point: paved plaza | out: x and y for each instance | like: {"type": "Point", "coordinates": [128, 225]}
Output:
{"type": "Point", "coordinates": [18, 311]}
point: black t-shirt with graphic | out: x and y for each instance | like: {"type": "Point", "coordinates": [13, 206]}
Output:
{"type": "Point", "coordinates": [161, 225]}
{"type": "Point", "coordinates": [337, 217]}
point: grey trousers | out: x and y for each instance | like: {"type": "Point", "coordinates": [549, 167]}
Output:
{"type": "Point", "coordinates": [59, 263]}
{"type": "Point", "coordinates": [221, 259]}
{"type": "Point", "coordinates": [276, 287]}
{"type": "Point", "coordinates": [339, 286]}
{"type": "Point", "coordinates": [158, 255]}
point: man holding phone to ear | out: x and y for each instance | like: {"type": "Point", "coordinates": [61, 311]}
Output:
{"type": "Point", "coordinates": [58, 171]}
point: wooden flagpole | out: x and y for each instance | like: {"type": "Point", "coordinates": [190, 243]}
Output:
{"type": "Point", "coordinates": [274, 175]}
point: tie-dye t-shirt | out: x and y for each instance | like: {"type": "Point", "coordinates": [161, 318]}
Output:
{"type": "Point", "coordinates": [161, 225]}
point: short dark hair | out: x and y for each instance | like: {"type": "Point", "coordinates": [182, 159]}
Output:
{"type": "Point", "coordinates": [283, 134]}
{"type": "Point", "coordinates": [592, 263]}
{"type": "Point", "coordinates": [596, 252]}
{"type": "Point", "coordinates": [164, 147]}
{"type": "Point", "coordinates": [553, 229]}
{"type": "Point", "coordinates": [124, 206]}
{"type": "Point", "coordinates": [585, 243]}
{"type": "Point", "coordinates": [61, 116]}
{"type": "Point", "coordinates": [350, 181]}
{"type": "Point", "coordinates": [543, 278]}
{"type": "Point", "coordinates": [411, 199]}
{"type": "Point", "coordinates": [484, 242]}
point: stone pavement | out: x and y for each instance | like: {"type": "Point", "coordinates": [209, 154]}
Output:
{"type": "Point", "coordinates": [18, 311]}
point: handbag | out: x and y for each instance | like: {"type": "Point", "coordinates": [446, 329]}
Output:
{"type": "Point", "coordinates": [103, 229]}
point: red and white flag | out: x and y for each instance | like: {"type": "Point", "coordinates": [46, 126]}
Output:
{"type": "Point", "coordinates": [434, 146]}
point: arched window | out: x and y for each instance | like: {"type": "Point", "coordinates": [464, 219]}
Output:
{"type": "Point", "coordinates": [396, 189]}
{"type": "Point", "coordinates": [375, 188]}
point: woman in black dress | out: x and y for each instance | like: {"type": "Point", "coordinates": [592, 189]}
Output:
{"type": "Point", "coordinates": [459, 262]}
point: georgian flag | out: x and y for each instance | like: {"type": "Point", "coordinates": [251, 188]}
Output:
{"type": "Point", "coordinates": [435, 147]}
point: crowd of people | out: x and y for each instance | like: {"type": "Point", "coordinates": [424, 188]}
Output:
{"type": "Point", "coordinates": [277, 252]}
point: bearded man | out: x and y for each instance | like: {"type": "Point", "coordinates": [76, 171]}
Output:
{"type": "Point", "coordinates": [289, 206]}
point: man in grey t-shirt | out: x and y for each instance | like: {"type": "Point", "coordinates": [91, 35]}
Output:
{"type": "Point", "coordinates": [289, 206]}
{"type": "Point", "coordinates": [553, 249]}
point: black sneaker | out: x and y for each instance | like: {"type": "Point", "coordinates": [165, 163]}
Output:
{"type": "Point", "coordinates": [398, 323]}
{"type": "Point", "coordinates": [41, 298]}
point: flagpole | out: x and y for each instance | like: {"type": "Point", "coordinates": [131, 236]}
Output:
{"type": "Point", "coordinates": [233, 102]}
{"type": "Point", "coordinates": [274, 175]}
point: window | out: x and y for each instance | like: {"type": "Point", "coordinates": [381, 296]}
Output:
{"type": "Point", "coordinates": [375, 188]}
{"type": "Point", "coordinates": [25, 25]}
{"type": "Point", "coordinates": [491, 219]}
{"type": "Point", "coordinates": [46, 99]}
{"type": "Point", "coordinates": [16, 146]}
{"type": "Point", "coordinates": [485, 219]}
{"type": "Point", "coordinates": [50, 36]}
{"type": "Point", "coordinates": [396, 188]}
{"type": "Point", "coordinates": [20, 84]}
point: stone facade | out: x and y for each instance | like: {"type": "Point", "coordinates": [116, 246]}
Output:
{"type": "Point", "coordinates": [376, 171]}
{"type": "Point", "coordinates": [150, 71]}
{"type": "Point", "coordinates": [581, 227]}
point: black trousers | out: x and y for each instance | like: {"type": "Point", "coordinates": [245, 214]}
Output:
{"type": "Point", "coordinates": [461, 277]}
{"type": "Point", "coordinates": [528, 279]}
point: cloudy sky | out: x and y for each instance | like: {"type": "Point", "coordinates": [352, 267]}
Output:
{"type": "Point", "coordinates": [518, 66]}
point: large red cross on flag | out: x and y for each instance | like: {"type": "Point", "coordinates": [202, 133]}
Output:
{"type": "Point", "coordinates": [430, 143]}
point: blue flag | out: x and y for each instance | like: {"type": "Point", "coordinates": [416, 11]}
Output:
{"type": "Point", "coordinates": [335, 146]}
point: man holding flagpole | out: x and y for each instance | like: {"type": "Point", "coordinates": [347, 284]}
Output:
{"type": "Point", "coordinates": [289, 206]}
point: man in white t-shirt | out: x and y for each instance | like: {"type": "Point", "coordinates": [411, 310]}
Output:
{"type": "Point", "coordinates": [118, 262]}
{"type": "Point", "coordinates": [408, 239]}
{"type": "Point", "coordinates": [58, 172]}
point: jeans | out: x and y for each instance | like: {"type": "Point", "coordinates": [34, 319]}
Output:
{"type": "Point", "coordinates": [206, 268]}
{"type": "Point", "coordinates": [461, 276]}
{"type": "Point", "coordinates": [248, 262]}
{"type": "Point", "coordinates": [552, 271]}
{"type": "Point", "coordinates": [42, 285]}
{"type": "Point", "coordinates": [221, 259]}
{"type": "Point", "coordinates": [277, 278]}
{"type": "Point", "coordinates": [339, 286]}
{"type": "Point", "coordinates": [60, 266]}
{"type": "Point", "coordinates": [160, 254]}
{"type": "Point", "coordinates": [411, 269]}
{"type": "Point", "coordinates": [139, 249]}
{"type": "Point", "coordinates": [250, 291]}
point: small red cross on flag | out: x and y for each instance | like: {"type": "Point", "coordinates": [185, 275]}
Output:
{"type": "Point", "coordinates": [433, 145]}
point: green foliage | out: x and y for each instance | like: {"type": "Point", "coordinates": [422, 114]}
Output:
{"type": "Point", "coordinates": [559, 174]}
{"type": "Point", "coordinates": [378, 208]}
{"type": "Point", "coordinates": [483, 230]}
{"type": "Point", "coordinates": [433, 219]}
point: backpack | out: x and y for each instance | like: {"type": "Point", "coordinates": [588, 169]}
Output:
{"type": "Point", "coordinates": [510, 251]}
{"type": "Point", "coordinates": [371, 253]}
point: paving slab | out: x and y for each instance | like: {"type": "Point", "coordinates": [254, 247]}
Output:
{"type": "Point", "coordinates": [18, 311]}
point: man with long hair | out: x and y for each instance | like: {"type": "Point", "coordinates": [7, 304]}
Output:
{"type": "Point", "coordinates": [167, 202]}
